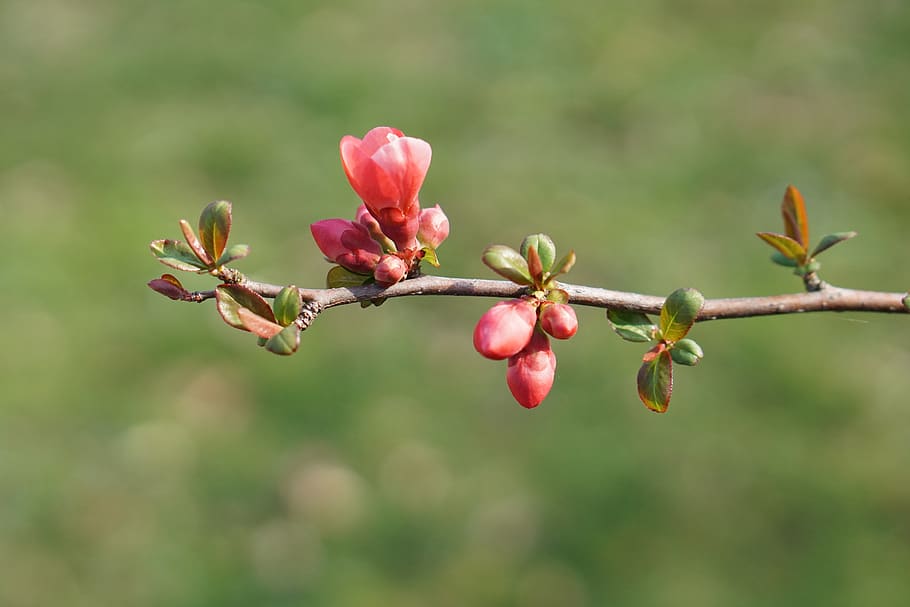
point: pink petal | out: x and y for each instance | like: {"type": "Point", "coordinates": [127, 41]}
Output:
{"type": "Point", "coordinates": [327, 234]}
{"type": "Point", "coordinates": [378, 137]}
{"type": "Point", "coordinates": [372, 184]}
{"type": "Point", "coordinates": [406, 160]}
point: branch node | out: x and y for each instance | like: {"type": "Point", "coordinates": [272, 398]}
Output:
{"type": "Point", "coordinates": [813, 282]}
{"type": "Point", "coordinates": [308, 313]}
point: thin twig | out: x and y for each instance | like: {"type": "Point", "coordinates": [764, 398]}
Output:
{"type": "Point", "coordinates": [827, 299]}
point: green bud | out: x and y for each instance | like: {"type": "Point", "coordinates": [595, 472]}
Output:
{"type": "Point", "coordinates": [686, 352]}
{"type": "Point", "coordinates": [287, 305]}
{"type": "Point", "coordinates": [545, 247]}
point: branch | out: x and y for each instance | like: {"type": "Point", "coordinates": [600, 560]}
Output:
{"type": "Point", "coordinates": [827, 299]}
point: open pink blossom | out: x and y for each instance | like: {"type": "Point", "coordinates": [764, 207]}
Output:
{"type": "Point", "coordinates": [531, 372]}
{"type": "Point", "coordinates": [505, 328]}
{"type": "Point", "coordinates": [347, 243]}
{"type": "Point", "coordinates": [386, 169]}
{"type": "Point", "coordinates": [434, 227]}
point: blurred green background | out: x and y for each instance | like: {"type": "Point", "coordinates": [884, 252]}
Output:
{"type": "Point", "coordinates": [151, 456]}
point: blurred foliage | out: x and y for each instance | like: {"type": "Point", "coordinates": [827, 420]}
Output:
{"type": "Point", "coordinates": [149, 455]}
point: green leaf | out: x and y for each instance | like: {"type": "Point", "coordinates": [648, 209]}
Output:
{"type": "Point", "coordinates": [786, 245]}
{"type": "Point", "coordinates": [830, 240]}
{"type": "Point", "coordinates": [284, 343]}
{"type": "Point", "coordinates": [429, 256]}
{"type": "Point", "coordinates": [215, 227]}
{"type": "Point", "coordinates": [233, 253]}
{"type": "Point", "coordinates": [543, 244]}
{"type": "Point", "coordinates": [563, 265]}
{"type": "Point", "coordinates": [906, 301]}
{"type": "Point", "coordinates": [687, 352]}
{"type": "Point", "coordinates": [655, 379]}
{"type": "Point", "coordinates": [230, 298]}
{"type": "Point", "coordinates": [632, 326]}
{"type": "Point", "coordinates": [508, 263]}
{"type": "Point", "coordinates": [287, 305]}
{"type": "Point", "coordinates": [796, 222]}
{"type": "Point", "coordinates": [177, 254]}
{"type": "Point", "coordinates": [678, 313]}
{"type": "Point", "coordinates": [782, 260]}
{"type": "Point", "coordinates": [342, 277]}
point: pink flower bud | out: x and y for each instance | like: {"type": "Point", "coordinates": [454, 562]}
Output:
{"type": "Point", "coordinates": [347, 244]}
{"type": "Point", "coordinates": [558, 320]}
{"type": "Point", "coordinates": [386, 169]}
{"type": "Point", "coordinates": [434, 227]}
{"type": "Point", "coordinates": [505, 328]}
{"type": "Point", "coordinates": [531, 372]}
{"type": "Point", "coordinates": [390, 270]}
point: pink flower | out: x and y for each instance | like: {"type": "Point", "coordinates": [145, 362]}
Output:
{"type": "Point", "coordinates": [346, 243]}
{"type": "Point", "coordinates": [386, 169]}
{"type": "Point", "coordinates": [531, 372]}
{"type": "Point", "coordinates": [558, 320]}
{"type": "Point", "coordinates": [505, 328]}
{"type": "Point", "coordinates": [434, 227]}
{"type": "Point", "coordinates": [390, 270]}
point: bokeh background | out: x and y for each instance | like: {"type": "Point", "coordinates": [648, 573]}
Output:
{"type": "Point", "coordinates": [152, 456]}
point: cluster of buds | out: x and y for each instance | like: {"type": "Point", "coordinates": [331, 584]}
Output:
{"type": "Point", "coordinates": [390, 233]}
{"type": "Point", "coordinates": [518, 329]}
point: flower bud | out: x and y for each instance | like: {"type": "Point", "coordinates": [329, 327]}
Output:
{"type": "Point", "coordinates": [347, 244]}
{"type": "Point", "coordinates": [687, 352]}
{"type": "Point", "coordinates": [558, 320]}
{"type": "Point", "coordinates": [390, 270]}
{"type": "Point", "coordinates": [434, 227]}
{"type": "Point", "coordinates": [531, 372]}
{"type": "Point", "coordinates": [544, 246]}
{"type": "Point", "coordinates": [505, 329]}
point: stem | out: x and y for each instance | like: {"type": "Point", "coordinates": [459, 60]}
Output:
{"type": "Point", "coordinates": [827, 299]}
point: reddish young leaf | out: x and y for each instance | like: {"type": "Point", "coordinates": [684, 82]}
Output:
{"type": "Point", "coordinates": [655, 379]}
{"type": "Point", "coordinates": [535, 267]}
{"type": "Point", "coordinates": [788, 247]}
{"type": "Point", "coordinates": [258, 325]}
{"type": "Point", "coordinates": [169, 286]}
{"type": "Point", "coordinates": [230, 299]}
{"type": "Point", "coordinates": [194, 243]}
{"type": "Point", "coordinates": [215, 227]}
{"type": "Point", "coordinates": [796, 222]}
